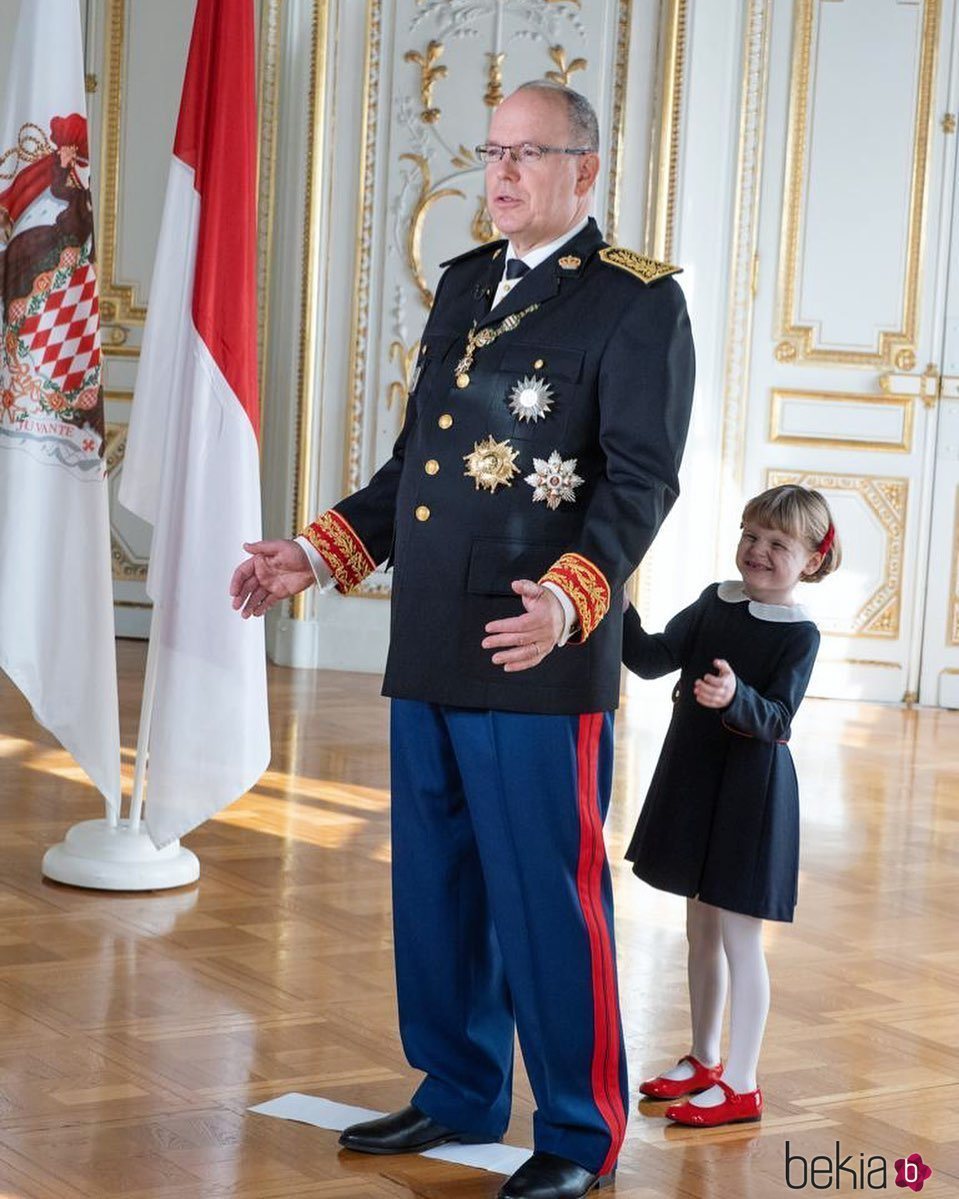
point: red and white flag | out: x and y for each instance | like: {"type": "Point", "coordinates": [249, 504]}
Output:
{"type": "Point", "coordinates": [191, 467]}
{"type": "Point", "coordinates": [56, 591]}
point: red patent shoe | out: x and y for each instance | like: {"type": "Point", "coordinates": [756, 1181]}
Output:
{"type": "Point", "coordinates": [702, 1078]}
{"type": "Point", "coordinates": [735, 1109]}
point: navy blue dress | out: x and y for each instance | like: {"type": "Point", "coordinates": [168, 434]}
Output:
{"type": "Point", "coordinates": [721, 819]}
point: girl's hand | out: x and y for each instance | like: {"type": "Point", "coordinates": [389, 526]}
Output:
{"type": "Point", "coordinates": [716, 690]}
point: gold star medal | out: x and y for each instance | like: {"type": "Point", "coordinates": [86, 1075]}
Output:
{"type": "Point", "coordinates": [554, 480]}
{"type": "Point", "coordinates": [491, 464]}
{"type": "Point", "coordinates": [530, 399]}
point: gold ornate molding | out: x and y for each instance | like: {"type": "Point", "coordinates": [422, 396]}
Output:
{"type": "Point", "coordinates": [127, 566]}
{"type": "Point", "coordinates": [952, 633]}
{"type": "Point", "coordinates": [414, 234]}
{"type": "Point", "coordinates": [664, 151]}
{"type": "Point", "coordinates": [886, 499]}
{"type": "Point", "coordinates": [267, 116]}
{"type": "Point", "coordinates": [481, 227]}
{"type": "Point", "coordinates": [745, 234]}
{"type": "Point", "coordinates": [364, 237]}
{"type": "Point", "coordinates": [564, 71]}
{"type": "Point", "coordinates": [315, 135]}
{"type": "Point", "coordinates": [617, 134]}
{"type": "Point", "coordinates": [803, 338]}
{"type": "Point", "coordinates": [430, 74]}
{"type": "Point", "coordinates": [118, 301]}
{"type": "Point", "coordinates": [781, 395]}
{"type": "Point", "coordinates": [405, 360]}
{"type": "Point", "coordinates": [494, 80]}
{"type": "Point", "coordinates": [877, 663]}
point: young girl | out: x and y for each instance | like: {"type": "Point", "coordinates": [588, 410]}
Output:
{"type": "Point", "coordinates": [720, 824]}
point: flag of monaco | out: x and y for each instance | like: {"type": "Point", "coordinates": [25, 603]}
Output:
{"type": "Point", "coordinates": [191, 467]}
{"type": "Point", "coordinates": [56, 597]}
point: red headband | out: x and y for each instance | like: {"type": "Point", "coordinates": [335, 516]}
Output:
{"type": "Point", "coordinates": [826, 544]}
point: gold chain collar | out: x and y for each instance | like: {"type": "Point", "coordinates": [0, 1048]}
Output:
{"type": "Point", "coordinates": [485, 337]}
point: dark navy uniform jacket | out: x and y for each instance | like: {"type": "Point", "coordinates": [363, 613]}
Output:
{"type": "Point", "coordinates": [616, 353]}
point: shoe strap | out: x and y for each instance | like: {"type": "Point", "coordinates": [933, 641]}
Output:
{"type": "Point", "coordinates": [696, 1063]}
{"type": "Point", "coordinates": [731, 1094]}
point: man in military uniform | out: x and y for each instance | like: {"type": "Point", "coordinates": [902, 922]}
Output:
{"type": "Point", "coordinates": [537, 460]}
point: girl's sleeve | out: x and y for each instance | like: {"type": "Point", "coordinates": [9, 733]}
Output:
{"type": "Point", "coordinates": [651, 655]}
{"type": "Point", "coordinates": [768, 716]}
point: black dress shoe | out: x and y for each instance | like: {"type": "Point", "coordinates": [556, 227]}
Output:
{"type": "Point", "coordinates": [546, 1176]}
{"type": "Point", "coordinates": [405, 1131]}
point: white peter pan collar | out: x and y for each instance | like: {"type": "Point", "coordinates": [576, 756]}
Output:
{"type": "Point", "coordinates": [733, 592]}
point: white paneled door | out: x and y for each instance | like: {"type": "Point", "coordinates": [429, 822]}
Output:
{"type": "Point", "coordinates": [850, 302]}
{"type": "Point", "coordinates": [939, 666]}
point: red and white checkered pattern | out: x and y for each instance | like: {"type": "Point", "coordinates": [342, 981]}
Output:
{"type": "Point", "coordinates": [64, 339]}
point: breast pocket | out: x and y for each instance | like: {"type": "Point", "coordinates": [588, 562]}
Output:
{"type": "Point", "coordinates": [535, 391]}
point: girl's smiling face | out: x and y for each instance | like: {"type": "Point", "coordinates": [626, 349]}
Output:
{"type": "Point", "coordinates": [772, 563]}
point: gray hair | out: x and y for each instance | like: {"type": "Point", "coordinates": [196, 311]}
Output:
{"type": "Point", "coordinates": [583, 125]}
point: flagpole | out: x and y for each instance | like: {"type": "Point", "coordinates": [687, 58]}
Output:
{"type": "Point", "coordinates": [116, 854]}
{"type": "Point", "coordinates": [143, 735]}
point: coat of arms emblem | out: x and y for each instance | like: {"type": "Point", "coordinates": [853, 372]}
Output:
{"type": "Point", "coordinates": [51, 398]}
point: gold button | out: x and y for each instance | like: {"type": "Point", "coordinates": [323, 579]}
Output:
{"type": "Point", "coordinates": [462, 380]}
{"type": "Point", "coordinates": [538, 364]}
{"type": "Point", "coordinates": [432, 467]}
{"type": "Point", "coordinates": [422, 512]}
{"type": "Point", "coordinates": [445, 421]}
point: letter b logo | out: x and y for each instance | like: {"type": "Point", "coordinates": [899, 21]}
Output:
{"type": "Point", "coordinates": [912, 1172]}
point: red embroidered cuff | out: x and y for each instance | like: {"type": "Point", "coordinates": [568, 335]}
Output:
{"type": "Point", "coordinates": [332, 536]}
{"type": "Point", "coordinates": [587, 588]}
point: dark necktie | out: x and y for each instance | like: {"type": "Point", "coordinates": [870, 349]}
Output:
{"type": "Point", "coordinates": [516, 268]}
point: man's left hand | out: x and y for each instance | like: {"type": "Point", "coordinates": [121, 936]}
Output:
{"type": "Point", "coordinates": [524, 641]}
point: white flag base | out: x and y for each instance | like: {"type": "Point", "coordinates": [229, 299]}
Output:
{"type": "Point", "coordinates": [95, 854]}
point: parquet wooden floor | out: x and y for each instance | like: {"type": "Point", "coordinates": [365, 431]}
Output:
{"type": "Point", "coordinates": [136, 1029]}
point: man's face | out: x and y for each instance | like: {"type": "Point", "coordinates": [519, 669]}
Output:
{"type": "Point", "coordinates": [534, 204]}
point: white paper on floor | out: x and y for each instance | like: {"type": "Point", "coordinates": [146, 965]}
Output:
{"type": "Point", "coordinates": [324, 1113]}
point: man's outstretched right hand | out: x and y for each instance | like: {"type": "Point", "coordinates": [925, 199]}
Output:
{"type": "Point", "coordinates": [276, 570]}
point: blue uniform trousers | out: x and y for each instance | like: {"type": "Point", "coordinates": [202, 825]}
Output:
{"type": "Point", "coordinates": [503, 919]}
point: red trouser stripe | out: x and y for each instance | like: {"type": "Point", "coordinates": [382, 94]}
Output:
{"type": "Point", "coordinates": [589, 877]}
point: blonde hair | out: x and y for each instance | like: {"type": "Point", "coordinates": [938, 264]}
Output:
{"type": "Point", "coordinates": [802, 513]}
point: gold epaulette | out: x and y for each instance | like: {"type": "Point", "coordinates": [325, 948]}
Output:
{"type": "Point", "coordinates": [646, 269]}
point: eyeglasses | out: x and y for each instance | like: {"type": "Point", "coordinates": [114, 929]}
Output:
{"type": "Point", "coordinates": [525, 152]}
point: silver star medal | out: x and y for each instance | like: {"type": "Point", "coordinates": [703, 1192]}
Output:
{"type": "Point", "coordinates": [530, 399]}
{"type": "Point", "coordinates": [554, 480]}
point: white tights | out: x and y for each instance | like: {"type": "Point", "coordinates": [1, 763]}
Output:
{"type": "Point", "coordinates": [717, 938]}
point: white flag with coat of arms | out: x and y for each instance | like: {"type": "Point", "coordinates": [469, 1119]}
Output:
{"type": "Point", "coordinates": [56, 596]}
